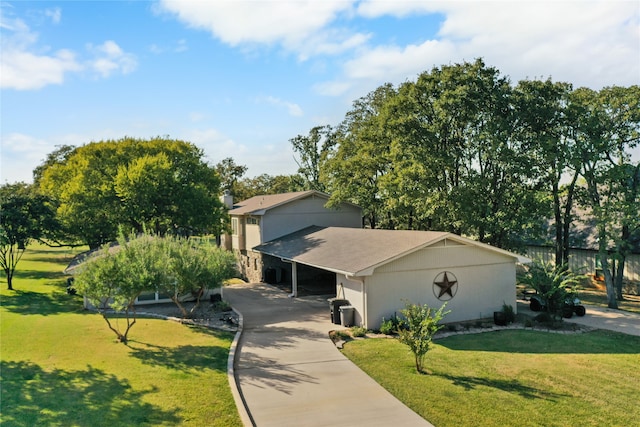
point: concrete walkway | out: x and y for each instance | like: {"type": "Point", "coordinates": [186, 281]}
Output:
{"type": "Point", "coordinates": [290, 373]}
{"type": "Point", "coordinates": [600, 318]}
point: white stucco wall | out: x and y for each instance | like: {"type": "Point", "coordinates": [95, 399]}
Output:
{"type": "Point", "coordinates": [252, 235]}
{"type": "Point", "coordinates": [486, 280]}
{"type": "Point", "coordinates": [352, 290]}
{"type": "Point", "coordinates": [306, 212]}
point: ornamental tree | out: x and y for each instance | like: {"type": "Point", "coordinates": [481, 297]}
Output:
{"type": "Point", "coordinates": [191, 268]}
{"type": "Point", "coordinates": [421, 324]}
{"type": "Point", "coordinates": [182, 268]}
{"type": "Point", "coordinates": [116, 275]}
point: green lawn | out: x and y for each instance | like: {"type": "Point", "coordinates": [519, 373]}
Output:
{"type": "Point", "coordinates": [61, 366]}
{"type": "Point", "coordinates": [513, 378]}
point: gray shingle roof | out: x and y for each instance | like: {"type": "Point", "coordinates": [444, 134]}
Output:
{"type": "Point", "coordinates": [258, 204]}
{"type": "Point", "coordinates": [347, 250]}
{"type": "Point", "coordinates": [357, 251]}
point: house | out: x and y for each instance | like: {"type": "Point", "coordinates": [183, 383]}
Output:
{"type": "Point", "coordinates": [379, 271]}
{"type": "Point", "coordinates": [264, 218]}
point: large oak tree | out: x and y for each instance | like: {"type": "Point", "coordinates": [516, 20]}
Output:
{"type": "Point", "coordinates": [160, 184]}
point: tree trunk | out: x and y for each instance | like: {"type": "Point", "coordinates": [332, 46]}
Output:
{"type": "Point", "coordinates": [10, 282]}
{"type": "Point", "coordinates": [619, 278]}
{"type": "Point", "coordinates": [612, 302]}
{"type": "Point", "coordinates": [566, 220]}
{"type": "Point", "coordinates": [559, 226]}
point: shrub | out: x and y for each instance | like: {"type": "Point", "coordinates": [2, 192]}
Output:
{"type": "Point", "coordinates": [554, 284]}
{"type": "Point", "coordinates": [422, 324]}
{"type": "Point", "coordinates": [509, 314]}
{"type": "Point", "coordinates": [391, 326]}
{"type": "Point", "coordinates": [358, 331]}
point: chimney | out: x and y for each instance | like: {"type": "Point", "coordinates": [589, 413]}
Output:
{"type": "Point", "coordinates": [227, 199]}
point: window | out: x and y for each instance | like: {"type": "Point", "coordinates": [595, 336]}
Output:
{"type": "Point", "coordinates": [253, 221]}
{"type": "Point", "coordinates": [234, 226]}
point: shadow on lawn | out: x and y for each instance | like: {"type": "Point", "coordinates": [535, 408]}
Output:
{"type": "Point", "coordinates": [509, 386]}
{"type": "Point", "coordinates": [541, 342]}
{"type": "Point", "coordinates": [181, 358]}
{"type": "Point", "coordinates": [32, 396]}
{"type": "Point", "coordinates": [44, 304]}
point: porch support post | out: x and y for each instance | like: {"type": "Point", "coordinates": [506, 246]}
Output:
{"type": "Point", "coordinates": [294, 280]}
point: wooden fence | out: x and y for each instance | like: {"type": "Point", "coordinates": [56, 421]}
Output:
{"type": "Point", "coordinates": [585, 261]}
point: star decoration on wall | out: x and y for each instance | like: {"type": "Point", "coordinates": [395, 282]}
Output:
{"type": "Point", "coordinates": [445, 286]}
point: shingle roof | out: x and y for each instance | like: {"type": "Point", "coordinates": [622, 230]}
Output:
{"type": "Point", "coordinates": [258, 204]}
{"type": "Point", "coordinates": [357, 251]}
{"type": "Point", "coordinates": [346, 250]}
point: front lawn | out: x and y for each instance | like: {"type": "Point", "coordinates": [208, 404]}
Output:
{"type": "Point", "coordinates": [513, 377]}
{"type": "Point", "coordinates": [60, 365]}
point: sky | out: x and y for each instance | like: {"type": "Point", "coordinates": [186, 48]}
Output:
{"type": "Point", "coordinates": [241, 78]}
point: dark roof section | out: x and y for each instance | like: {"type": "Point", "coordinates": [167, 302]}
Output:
{"type": "Point", "coordinates": [357, 251]}
{"type": "Point", "coordinates": [259, 204]}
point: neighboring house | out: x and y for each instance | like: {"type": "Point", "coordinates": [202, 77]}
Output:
{"type": "Point", "coordinates": [264, 218]}
{"type": "Point", "coordinates": [583, 253]}
{"type": "Point", "coordinates": [379, 271]}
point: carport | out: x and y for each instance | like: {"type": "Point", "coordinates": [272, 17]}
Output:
{"type": "Point", "coordinates": [379, 271]}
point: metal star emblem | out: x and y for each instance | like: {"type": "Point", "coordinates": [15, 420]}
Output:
{"type": "Point", "coordinates": [446, 286]}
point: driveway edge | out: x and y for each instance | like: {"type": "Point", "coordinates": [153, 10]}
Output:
{"type": "Point", "coordinates": [241, 404]}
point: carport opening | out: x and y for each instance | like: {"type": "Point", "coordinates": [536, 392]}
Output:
{"type": "Point", "coordinates": [311, 280]}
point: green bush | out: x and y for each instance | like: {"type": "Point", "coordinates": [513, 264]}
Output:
{"type": "Point", "coordinates": [392, 325]}
{"type": "Point", "coordinates": [509, 314]}
{"type": "Point", "coordinates": [387, 327]}
{"type": "Point", "coordinates": [422, 323]}
{"type": "Point", "coordinates": [358, 331]}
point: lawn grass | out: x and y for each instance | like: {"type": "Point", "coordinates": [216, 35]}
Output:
{"type": "Point", "coordinates": [513, 377]}
{"type": "Point", "coordinates": [61, 365]}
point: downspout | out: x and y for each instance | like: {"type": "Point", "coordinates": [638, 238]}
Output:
{"type": "Point", "coordinates": [364, 298]}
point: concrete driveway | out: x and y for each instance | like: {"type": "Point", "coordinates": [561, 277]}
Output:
{"type": "Point", "coordinates": [290, 373]}
{"type": "Point", "coordinates": [599, 318]}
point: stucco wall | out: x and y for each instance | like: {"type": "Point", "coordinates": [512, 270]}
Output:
{"type": "Point", "coordinates": [300, 214]}
{"type": "Point", "coordinates": [485, 281]}
{"type": "Point", "coordinates": [252, 235]}
{"type": "Point", "coordinates": [352, 290]}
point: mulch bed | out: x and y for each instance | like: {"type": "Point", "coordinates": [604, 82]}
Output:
{"type": "Point", "coordinates": [206, 314]}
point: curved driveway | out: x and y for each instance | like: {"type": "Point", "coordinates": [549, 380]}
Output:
{"type": "Point", "coordinates": [290, 374]}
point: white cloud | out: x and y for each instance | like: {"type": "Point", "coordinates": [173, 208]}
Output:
{"type": "Point", "coordinates": [292, 108]}
{"type": "Point", "coordinates": [55, 14]}
{"type": "Point", "coordinates": [297, 25]}
{"type": "Point", "coordinates": [22, 66]}
{"type": "Point", "coordinates": [27, 64]}
{"type": "Point", "coordinates": [587, 43]}
{"type": "Point", "coordinates": [20, 155]}
{"type": "Point", "coordinates": [110, 58]}
{"type": "Point", "coordinates": [177, 47]}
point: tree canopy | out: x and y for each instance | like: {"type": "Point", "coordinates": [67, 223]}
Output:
{"type": "Point", "coordinates": [113, 277]}
{"type": "Point", "coordinates": [161, 185]}
{"type": "Point", "coordinates": [25, 215]}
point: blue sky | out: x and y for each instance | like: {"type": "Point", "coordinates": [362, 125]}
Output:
{"type": "Point", "coordinates": [240, 78]}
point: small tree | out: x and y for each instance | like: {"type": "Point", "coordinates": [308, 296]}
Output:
{"type": "Point", "coordinates": [422, 322]}
{"type": "Point", "coordinates": [554, 284]}
{"type": "Point", "coordinates": [113, 279]}
{"type": "Point", "coordinates": [24, 216]}
{"type": "Point", "coordinates": [192, 268]}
